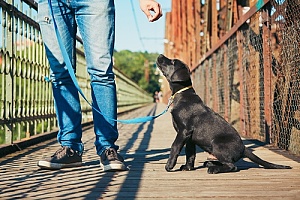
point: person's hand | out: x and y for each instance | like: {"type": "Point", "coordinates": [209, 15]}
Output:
{"type": "Point", "coordinates": [151, 5]}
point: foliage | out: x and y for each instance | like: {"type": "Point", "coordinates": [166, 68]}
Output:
{"type": "Point", "coordinates": [133, 64]}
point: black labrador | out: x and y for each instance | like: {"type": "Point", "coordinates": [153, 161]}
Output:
{"type": "Point", "coordinates": [197, 124]}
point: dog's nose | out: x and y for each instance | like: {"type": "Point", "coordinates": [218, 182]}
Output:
{"type": "Point", "coordinates": [160, 57]}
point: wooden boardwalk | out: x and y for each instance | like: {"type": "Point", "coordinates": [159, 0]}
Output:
{"type": "Point", "coordinates": [146, 149]}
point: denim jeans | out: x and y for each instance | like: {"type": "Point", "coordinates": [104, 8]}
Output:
{"type": "Point", "coordinates": [95, 20]}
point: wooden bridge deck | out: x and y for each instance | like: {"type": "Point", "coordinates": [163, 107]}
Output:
{"type": "Point", "coordinates": [146, 149]}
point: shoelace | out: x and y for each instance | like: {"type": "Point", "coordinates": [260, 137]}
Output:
{"type": "Point", "coordinates": [111, 154]}
{"type": "Point", "coordinates": [58, 152]}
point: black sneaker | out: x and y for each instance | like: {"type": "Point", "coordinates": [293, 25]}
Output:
{"type": "Point", "coordinates": [110, 160]}
{"type": "Point", "coordinates": [62, 158]}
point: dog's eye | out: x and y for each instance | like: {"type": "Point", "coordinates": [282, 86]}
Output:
{"type": "Point", "coordinates": [172, 62]}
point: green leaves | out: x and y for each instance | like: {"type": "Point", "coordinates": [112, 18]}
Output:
{"type": "Point", "coordinates": [140, 67]}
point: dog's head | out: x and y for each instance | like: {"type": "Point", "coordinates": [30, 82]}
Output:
{"type": "Point", "coordinates": [174, 70]}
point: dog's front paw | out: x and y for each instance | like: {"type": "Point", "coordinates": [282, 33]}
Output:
{"type": "Point", "coordinates": [168, 168]}
{"type": "Point", "coordinates": [186, 168]}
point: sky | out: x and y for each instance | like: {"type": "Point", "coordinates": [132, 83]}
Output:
{"type": "Point", "coordinates": [133, 30]}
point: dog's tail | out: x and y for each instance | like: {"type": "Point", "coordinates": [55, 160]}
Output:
{"type": "Point", "coordinates": [248, 153]}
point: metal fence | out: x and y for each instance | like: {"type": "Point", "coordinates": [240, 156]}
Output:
{"type": "Point", "coordinates": [26, 102]}
{"type": "Point", "coordinates": [258, 78]}
{"type": "Point", "coordinates": [250, 73]}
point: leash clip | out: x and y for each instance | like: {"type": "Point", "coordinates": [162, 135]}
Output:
{"type": "Point", "coordinates": [170, 101]}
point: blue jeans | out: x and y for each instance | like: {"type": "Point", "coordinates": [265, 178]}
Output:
{"type": "Point", "coordinates": [95, 20]}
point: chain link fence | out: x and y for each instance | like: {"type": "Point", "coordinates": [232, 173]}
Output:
{"type": "Point", "coordinates": [253, 78]}
{"type": "Point", "coordinates": [286, 74]}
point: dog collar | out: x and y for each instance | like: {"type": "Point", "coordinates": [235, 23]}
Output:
{"type": "Point", "coordinates": [173, 96]}
{"type": "Point", "coordinates": [179, 91]}
{"type": "Point", "coordinates": [182, 90]}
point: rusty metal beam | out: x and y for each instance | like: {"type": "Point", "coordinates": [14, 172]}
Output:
{"type": "Point", "coordinates": [232, 31]}
{"type": "Point", "coordinates": [207, 77]}
{"type": "Point", "coordinates": [235, 12]}
{"type": "Point", "coordinates": [205, 28]}
{"type": "Point", "coordinates": [214, 23]}
{"type": "Point", "coordinates": [215, 83]}
{"type": "Point", "coordinates": [229, 12]}
{"type": "Point", "coordinates": [184, 22]}
{"type": "Point", "coordinates": [190, 32]}
{"type": "Point", "coordinates": [197, 32]}
{"type": "Point", "coordinates": [167, 34]}
{"type": "Point", "coordinates": [226, 84]}
{"type": "Point", "coordinates": [240, 38]}
{"type": "Point", "coordinates": [178, 29]}
{"type": "Point", "coordinates": [267, 63]}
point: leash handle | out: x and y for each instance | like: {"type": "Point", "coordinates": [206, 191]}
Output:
{"type": "Point", "coordinates": [73, 77]}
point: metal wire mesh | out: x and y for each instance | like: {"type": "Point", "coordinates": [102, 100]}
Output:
{"type": "Point", "coordinates": [257, 80]}
{"type": "Point", "coordinates": [254, 79]}
{"type": "Point", "coordinates": [286, 61]}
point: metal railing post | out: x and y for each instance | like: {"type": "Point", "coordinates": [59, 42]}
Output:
{"type": "Point", "coordinates": [9, 64]}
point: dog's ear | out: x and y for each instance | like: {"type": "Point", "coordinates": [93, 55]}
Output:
{"type": "Point", "coordinates": [182, 73]}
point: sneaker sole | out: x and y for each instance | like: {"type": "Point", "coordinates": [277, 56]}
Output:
{"type": "Point", "coordinates": [113, 167]}
{"type": "Point", "coordinates": [49, 165]}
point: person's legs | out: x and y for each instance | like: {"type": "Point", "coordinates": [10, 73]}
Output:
{"type": "Point", "coordinates": [65, 94]}
{"type": "Point", "coordinates": [96, 23]}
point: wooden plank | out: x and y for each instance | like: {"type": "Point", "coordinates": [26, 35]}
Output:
{"type": "Point", "coordinates": [145, 148]}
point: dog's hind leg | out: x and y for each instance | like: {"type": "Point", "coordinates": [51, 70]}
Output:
{"type": "Point", "coordinates": [190, 152]}
{"type": "Point", "coordinates": [225, 167]}
{"type": "Point", "coordinates": [212, 163]}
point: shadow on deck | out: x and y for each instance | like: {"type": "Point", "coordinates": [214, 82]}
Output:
{"type": "Point", "coordinates": [146, 148]}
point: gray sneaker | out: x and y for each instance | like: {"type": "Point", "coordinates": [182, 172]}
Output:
{"type": "Point", "coordinates": [110, 160]}
{"type": "Point", "coordinates": [62, 158]}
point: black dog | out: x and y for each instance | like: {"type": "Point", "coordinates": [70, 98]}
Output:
{"type": "Point", "coordinates": [196, 124]}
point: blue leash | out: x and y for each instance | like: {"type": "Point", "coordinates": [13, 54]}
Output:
{"type": "Point", "coordinates": [73, 77]}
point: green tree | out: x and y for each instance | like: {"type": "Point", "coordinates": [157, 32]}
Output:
{"type": "Point", "coordinates": [133, 64]}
